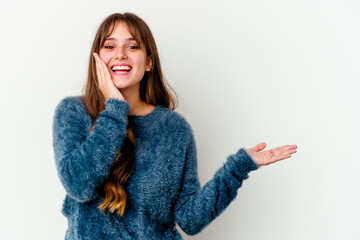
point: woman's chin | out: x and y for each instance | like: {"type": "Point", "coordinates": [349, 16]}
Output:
{"type": "Point", "coordinates": [123, 85]}
{"type": "Point", "coordinates": [120, 83]}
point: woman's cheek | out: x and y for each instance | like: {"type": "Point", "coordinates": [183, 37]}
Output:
{"type": "Point", "coordinates": [104, 57]}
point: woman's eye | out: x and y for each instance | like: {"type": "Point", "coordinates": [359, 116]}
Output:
{"type": "Point", "coordinates": [131, 47]}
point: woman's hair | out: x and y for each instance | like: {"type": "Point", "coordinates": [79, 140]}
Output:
{"type": "Point", "coordinates": [153, 90]}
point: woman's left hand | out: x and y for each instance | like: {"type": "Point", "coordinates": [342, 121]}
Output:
{"type": "Point", "coordinates": [270, 156]}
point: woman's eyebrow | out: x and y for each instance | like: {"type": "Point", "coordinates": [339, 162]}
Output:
{"type": "Point", "coordinates": [128, 39]}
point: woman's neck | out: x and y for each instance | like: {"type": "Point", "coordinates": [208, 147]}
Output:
{"type": "Point", "coordinates": [137, 106]}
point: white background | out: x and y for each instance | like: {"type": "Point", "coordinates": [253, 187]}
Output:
{"type": "Point", "coordinates": [283, 72]}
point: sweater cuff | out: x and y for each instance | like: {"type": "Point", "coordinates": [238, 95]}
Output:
{"type": "Point", "coordinates": [116, 109]}
{"type": "Point", "coordinates": [117, 105]}
{"type": "Point", "coordinates": [243, 165]}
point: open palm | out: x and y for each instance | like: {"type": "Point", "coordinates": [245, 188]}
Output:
{"type": "Point", "coordinates": [270, 156]}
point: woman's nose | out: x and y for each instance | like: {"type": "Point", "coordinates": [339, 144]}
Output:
{"type": "Point", "coordinates": [121, 54]}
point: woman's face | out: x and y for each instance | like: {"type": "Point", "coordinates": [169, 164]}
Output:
{"type": "Point", "coordinates": [126, 61]}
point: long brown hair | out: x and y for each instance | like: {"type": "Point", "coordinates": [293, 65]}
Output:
{"type": "Point", "coordinates": [153, 90]}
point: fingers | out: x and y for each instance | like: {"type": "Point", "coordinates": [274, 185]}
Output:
{"type": "Point", "coordinates": [106, 71]}
{"type": "Point", "coordinates": [106, 84]}
{"type": "Point", "coordinates": [100, 71]}
{"type": "Point", "coordinates": [289, 152]}
{"type": "Point", "coordinates": [285, 154]}
{"type": "Point", "coordinates": [98, 68]}
{"type": "Point", "coordinates": [101, 75]}
{"type": "Point", "coordinates": [284, 148]}
{"type": "Point", "coordinates": [272, 155]}
{"type": "Point", "coordinates": [104, 77]}
{"type": "Point", "coordinates": [281, 155]}
{"type": "Point", "coordinates": [259, 147]}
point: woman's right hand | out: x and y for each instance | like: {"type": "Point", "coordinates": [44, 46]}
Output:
{"type": "Point", "coordinates": [106, 85]}
{"type": "Point", "coordinates": [267, 157]}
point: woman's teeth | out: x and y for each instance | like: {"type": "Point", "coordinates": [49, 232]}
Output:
{"type": "Point", "coordinates": [121, 68]}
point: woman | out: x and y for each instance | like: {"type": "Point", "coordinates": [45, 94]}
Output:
{"type": "Point", "coordinates": [126, 160]}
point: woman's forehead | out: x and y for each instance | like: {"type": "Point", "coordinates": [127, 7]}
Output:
{"type": "Point", "coordinates": [127, 31]}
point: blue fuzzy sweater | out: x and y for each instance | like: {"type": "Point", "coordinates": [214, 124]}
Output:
{"type": "Point", "coordinates": [164, 188]}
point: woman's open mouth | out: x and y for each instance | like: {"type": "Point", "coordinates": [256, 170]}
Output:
{"type": "Point", "coordinates": [121, 70]}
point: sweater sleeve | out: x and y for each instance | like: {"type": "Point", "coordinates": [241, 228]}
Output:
{"type": "Point", "coordinates": [83, 160]}
{"type": "Point", "coordinates": [196, 207]}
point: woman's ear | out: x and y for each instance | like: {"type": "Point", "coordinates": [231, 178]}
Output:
{"type": "Point", "coordinates": [148, 64]}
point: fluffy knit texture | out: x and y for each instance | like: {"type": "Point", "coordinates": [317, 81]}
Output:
{"type": "Point", "coordinates": [164, 188]}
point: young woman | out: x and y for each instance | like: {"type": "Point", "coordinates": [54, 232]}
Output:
{"type": "Point", "coordinates": [127, 161]}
